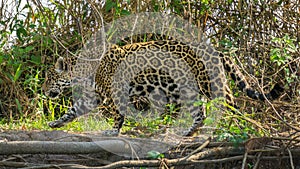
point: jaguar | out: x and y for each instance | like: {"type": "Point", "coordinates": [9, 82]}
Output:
{"type": "Point", "coordinates": [141, 73]}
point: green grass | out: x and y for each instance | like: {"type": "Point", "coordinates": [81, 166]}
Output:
{"type": "Point", "coordinates": [40, 122]}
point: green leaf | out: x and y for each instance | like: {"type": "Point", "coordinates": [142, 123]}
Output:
{"type": "Point", "coordinates": [28, 49]}
{"type": "Point", "coordinates": [35, 59]}
{"type": "Point", "coordinates": [199, 103]}
{"type": "Point", "coordinates": [125, 12]}
{"type": "Point", "coordinates": [155, 154]}
{"type": "Point", "coordinates": [32, 26]}
{"type": "Point", "coordinates": [109, 5]}
{"type": "Point", "coordinates": [1, 58]}
{"type": "Point", "coordinates": [208, 121]}
{"type": "Point", "coordinates": [18, 73]}
{"type": "Point", "coordinates": [156, 8]}
{"type": "Point", "coordinates": [19, 107]}
{"type": "Point", "coordinates": [20, 33]}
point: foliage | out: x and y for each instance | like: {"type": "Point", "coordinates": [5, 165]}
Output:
{"type": "Point", "coordinates": [117, 7]}
{"type": "Point", "coordinates": [281, 54]}
{"type": "Point", "coordinates": [232, 126]}
{"type": "Point", "coordinates": [237, 127]}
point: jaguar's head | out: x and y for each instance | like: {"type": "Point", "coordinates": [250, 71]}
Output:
{"type": "Point", "coordinates": [58, 78]}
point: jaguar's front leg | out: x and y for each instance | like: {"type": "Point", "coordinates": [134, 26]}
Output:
{"type": "Point", "coordinates": [66, 118]}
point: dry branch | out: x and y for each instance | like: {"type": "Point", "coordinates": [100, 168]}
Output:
{"type": "Point", "coordinates": [52, 147]}
{"type": "Point", "coordinates": [120, 146]}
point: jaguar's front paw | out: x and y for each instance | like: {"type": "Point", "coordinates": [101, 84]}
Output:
{"type": "Point", "coordinates": [187, 133]}
{"type": "Point", "coordinates": [114, 132]}
{"type": "Point", "coordinates": [56, 124]}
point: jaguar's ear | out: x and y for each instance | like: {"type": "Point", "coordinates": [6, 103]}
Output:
{"type": "Point", "coordinates": [61, 65]}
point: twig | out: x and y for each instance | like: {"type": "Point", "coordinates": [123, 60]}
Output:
{"type": "Point", "coordinates": [198, 149]}
{"type": "Point", "coordinates": [258, 160]}
{"type": "Point", "coordinates": [291, 159]}
{"type": "Point", "coordinates": [244, 160]}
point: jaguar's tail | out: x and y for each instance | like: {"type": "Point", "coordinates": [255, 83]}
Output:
{"type": "Point", "coordinates": [241, 82]}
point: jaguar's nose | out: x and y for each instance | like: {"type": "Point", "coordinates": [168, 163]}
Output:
{"type": "Point", "coordinates": [53, 94]}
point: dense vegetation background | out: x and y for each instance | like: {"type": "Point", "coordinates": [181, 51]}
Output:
{"type": "Point", "coordinates": [262, 36]}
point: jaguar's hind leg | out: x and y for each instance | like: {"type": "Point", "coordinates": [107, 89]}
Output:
{"type": "Point", "coordinates": [198, 115]}
{"type": "Point", "coordinates": [118, 123]}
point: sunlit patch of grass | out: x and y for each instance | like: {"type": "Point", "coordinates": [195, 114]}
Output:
{"type": "Point", "coordinates": [85, 123]}
{"type": "Point", "coordinates": [93, 122]}
{"type": "Point", "coordinates": [24, 124]}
